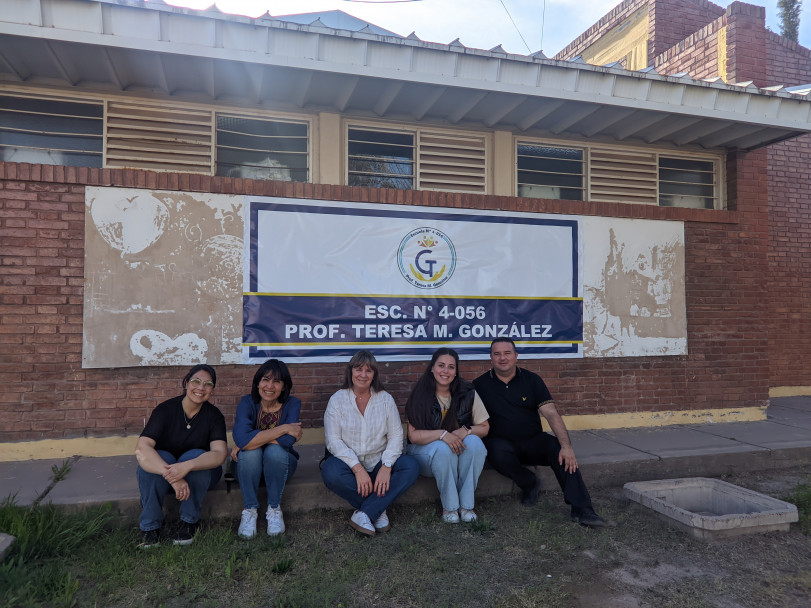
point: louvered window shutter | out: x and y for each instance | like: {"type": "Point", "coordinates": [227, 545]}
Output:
{"type": "Point", "coordinates": [141, 136]}
{"type": "Point", "coordinates": [619, 175]}
{"type": "Point", "coordinates": [452, 162]}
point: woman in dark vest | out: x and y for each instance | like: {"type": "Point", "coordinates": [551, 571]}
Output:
{"type": "Point", "coordinates": [446, 421]}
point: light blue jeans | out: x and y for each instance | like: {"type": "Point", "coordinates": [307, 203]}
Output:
{"type": "Point", "coordinates": [456, 476]}
{"type": "Point", "coordinates": [277, 464]}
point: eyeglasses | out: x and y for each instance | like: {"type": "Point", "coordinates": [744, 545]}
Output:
{"type": "Point", "coordinates": [197, 383]}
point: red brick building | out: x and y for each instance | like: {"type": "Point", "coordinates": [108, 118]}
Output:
{"type": "Point", "coordinates": [153, 84]}
{"type": "Point", "coordinates": [707, 41]}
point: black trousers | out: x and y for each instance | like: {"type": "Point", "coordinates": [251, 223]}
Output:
{"type": "Point", "coordinates": [510, 457]}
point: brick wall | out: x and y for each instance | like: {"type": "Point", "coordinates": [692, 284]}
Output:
{"type": "Point", "coordinates": [697, 54]}
{"type": "Point", "coordinates": [746, 44]}
{"type": "Point", "coordinates": [669, 22]}
{"type": "Point", "coordinates": [47, 394]}
{"type": "Point", "coordinates": [768, 59]}
{"type": "Point", "coordinates": [608, 22]}
{"type": "Point", "coordinates": [789, 290]}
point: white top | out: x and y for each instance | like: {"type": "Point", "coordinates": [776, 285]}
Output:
{"type": "Point", "coordinates": [369, 438]}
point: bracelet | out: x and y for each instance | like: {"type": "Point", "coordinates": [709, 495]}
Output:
{"type": "Point", "coordinates": [469, 430]}
{"type": "Point", "coordinates": [443, 435]}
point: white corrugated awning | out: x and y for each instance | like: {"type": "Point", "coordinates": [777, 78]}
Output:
{"type": "Point", "coordinates": [140, 48]}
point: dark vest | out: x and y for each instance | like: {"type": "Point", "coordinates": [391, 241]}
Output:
{"type": "Point", "coordinates": [464, 411]}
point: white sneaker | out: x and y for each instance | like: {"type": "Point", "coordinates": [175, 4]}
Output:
{"type": "Point", "coordinates": [275, 521]}
{"type": "Point", "coordinates": [450, 517]}
{"type": "Point", "coordinates": [382, 524]}
{"type": "Point", "coordinates": [361, 522]}
{"type": "Point", "coordinates": [467, 515]}
{"type": "Point", "coordinates": [247, 526]}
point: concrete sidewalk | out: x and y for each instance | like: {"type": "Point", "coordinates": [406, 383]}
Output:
{"type": "Point", "coordinates": [606, 457]}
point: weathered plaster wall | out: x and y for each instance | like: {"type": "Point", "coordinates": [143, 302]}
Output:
{"type": "Point", "coordinates": [163, 278]}
{"type": "Point", "coordinates": [634, 300]}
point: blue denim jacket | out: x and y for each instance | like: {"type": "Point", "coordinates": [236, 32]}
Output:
{"type": "Point", "coordinates": [247, 414]}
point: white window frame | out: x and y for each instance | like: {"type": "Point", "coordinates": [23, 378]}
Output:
{"type": "Point", "coordinates": [716, 158]}
{"type": "Point", "coordinates": [46, 155]}
{"type": "Point", "coordinates": [266, 118]}
{"type": "Point", "coordinates": [584, 163]}
{"type": "Point", "coordinates": [382, 129]}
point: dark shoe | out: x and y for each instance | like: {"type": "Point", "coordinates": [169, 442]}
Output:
{"type": "Point", "coordinates": [530, 497]}
{"type": "Point", "coordinates": [150, 538]}
{"type": "Point", "coordinates": [185, 534]}
{"type": "Point", "coordinates": [588, 518]}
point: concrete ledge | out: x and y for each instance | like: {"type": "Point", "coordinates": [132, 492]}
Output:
{"type": "Point", "coordinates": [95, 481]}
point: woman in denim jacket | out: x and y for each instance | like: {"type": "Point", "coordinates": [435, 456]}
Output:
{"type": "Point", "coordinates": [266, 426]}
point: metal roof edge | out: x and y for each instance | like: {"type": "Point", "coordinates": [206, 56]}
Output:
{"type": "Point", "coordinates": [455, 46]}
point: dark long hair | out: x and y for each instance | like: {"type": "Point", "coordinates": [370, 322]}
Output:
{"type": "Point", "coordinates": [200, 367]}
{"type": "Point", "coordinates": [278, 371]}
{"type": "Point", "coordinates": [419, 408]}
{"type": "Point", "coordinates": [359, 359]}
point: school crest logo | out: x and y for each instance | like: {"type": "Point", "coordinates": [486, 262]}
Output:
{"type": "Point", "coordinates": [426, 258]}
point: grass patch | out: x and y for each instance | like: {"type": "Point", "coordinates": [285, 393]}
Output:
{"type": "Point", "coordinates": [60, 471]}
{"type": "Point", "coordinates": [801, 497]}
{"type": "Point", "coordinates": [512, 556]}
{"type": "Point", "coordinates": [34, 570]}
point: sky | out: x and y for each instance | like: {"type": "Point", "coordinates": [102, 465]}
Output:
{"type": "Point", "coordinates": [545, 25]}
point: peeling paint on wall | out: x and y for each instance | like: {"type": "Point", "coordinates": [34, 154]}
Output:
{"type": "Point", "coordinates": [633, 284]}
{"type": "Point", "coordinates": [163, 281]}
{"type": "Point", "coordinates": [163, 278]}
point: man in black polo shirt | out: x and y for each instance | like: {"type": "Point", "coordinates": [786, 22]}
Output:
{"type": "Point", "coordinates": [516, 399]}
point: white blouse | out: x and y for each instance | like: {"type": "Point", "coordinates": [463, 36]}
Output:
{"type": "Point", "coordinates": [376, 435]}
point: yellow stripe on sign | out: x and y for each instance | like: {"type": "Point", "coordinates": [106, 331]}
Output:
{"type": "Point", "coordinates": [414, 296]}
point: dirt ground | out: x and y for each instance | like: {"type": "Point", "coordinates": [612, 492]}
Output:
{"type": "Point", "coordinates": [672, 569]}
{"type": "Point", "coordinates": [514, 557]}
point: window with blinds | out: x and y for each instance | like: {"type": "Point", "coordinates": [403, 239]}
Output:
{"type": "Point", "coordinates": [380, 159]}
{"type": "Point", "coordinates": [257, 148]}
{"type": "Point", "coordinates": [686, 182]}
{"type": "Point", "coordinates": [617, 174]}
{"type": "Point", "coordinates": [51, 132]}
{"type": "Point", "coordinates": [420, 159]}
{"type": "Point", "coordinates": [551, 172]}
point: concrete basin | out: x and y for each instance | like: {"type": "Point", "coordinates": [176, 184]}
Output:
{"type": "Point", "coordinates": [710, 508]}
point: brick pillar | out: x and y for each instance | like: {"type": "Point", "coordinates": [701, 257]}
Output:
{"type": "Point", "coordinates": [746, 44]}
{"type": "Point", "coordinates": [671, 21]}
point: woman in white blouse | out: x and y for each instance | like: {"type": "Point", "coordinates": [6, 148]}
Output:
{"type": "Point", "coordinates": [364, 437]}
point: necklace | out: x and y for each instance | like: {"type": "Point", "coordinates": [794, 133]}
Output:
{"type": "Point", "coordinates": [188, 421]}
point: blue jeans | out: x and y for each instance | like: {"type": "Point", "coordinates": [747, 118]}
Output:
{"type": "Point", "coordinates": [339, 478]}
{"type": "Point", "coordinates": [275, 462]}
{"type": "Point", "coordinates": [456, 476]}
{"type": "Point", "coordinates": [154, 488]}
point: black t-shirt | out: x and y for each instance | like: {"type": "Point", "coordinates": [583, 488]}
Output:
{"type": "Point", "coordinates": [167, 426]}
{"type": "Point", "coordinates": [513, 407]}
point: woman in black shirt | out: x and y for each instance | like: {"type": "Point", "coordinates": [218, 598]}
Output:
{"type": "Point", "coordinates": [181, 448]}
